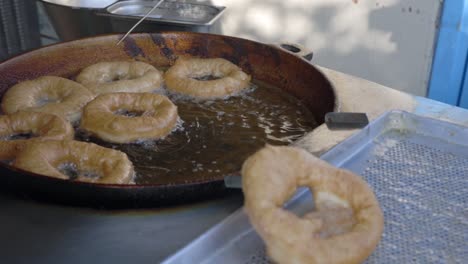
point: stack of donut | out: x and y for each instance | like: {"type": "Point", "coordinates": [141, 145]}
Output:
{"type": "Point", "coordinates": [113, 101]}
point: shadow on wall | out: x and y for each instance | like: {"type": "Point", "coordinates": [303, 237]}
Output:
{"type": "Point", "coordinates": [386, 41]}
{"type": "Point", "coordinates": [343, 25]}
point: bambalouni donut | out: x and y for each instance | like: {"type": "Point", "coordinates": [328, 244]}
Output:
{"type": "Point", "coordinates": [120, 76]}
{"type": "Point", "coordinates": [17, 129]}
{"type": "Point", "coordinates": [75, 160]}
{"type": "Point", "coordinates": [345, 226]}
{"type": "Point", "coordinates": [186, 76]}
{"type": "Point", "coordinates": [128, 117]}
{"type": "Point", "coordinates": [48, 94]}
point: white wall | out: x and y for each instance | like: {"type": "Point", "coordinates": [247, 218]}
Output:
{"type": "Point", "coordinates": [390, 42]}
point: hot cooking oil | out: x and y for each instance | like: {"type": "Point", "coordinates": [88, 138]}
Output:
{"type": "Point", "coordinates": [214, 137]}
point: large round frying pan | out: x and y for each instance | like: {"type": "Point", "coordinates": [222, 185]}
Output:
{"type": "Point", "coordinates": [265, 63]}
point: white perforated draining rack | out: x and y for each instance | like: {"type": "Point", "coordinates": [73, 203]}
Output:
{"type": "Point", "coordinates": [418, 168]}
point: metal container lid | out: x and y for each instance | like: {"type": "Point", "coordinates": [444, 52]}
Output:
{"type": "Point", "coordinates": [92, 4]}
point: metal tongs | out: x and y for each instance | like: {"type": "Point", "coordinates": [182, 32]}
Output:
{"type": "Point", "coordinates": [139, 21]}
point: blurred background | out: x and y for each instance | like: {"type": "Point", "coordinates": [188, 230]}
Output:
{"type": "Point", "coordinates": [416, 46]}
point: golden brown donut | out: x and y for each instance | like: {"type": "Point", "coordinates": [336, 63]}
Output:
{"type": "Point", "coordinates": [48, 94]}
{"type": "Point", "coordinates": [120, 76]}
{"type": "Point", "coordinates": [346, 225]}
{"type": "Point", "coordinates": [88, 162]}
{"type": "Point", "coordinates": [105, 117]}
{"type": "Point", "coordinates": [181, 78]}
{"type": "Point", "coordinates": [37, 125]}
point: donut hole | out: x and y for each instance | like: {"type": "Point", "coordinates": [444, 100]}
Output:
{"type": "Point", "coordinates": [119, 77]}
{"type": "Point", "coordinates": [130, 113]}
{"type": "Point", "coordinates": [19, 136]}
{"type": "Point", "coordinates": [209, 77]}
{"type": "Point", "coordinates": [336, 215]}
{"type": "Point", "coordinates": [336, 221]}
{"type": "Point", "coordinates": [116, 78]}
{"type": "Point", "coordinates": [47, 100]}
{"type": "Point", "coordinates": [72, 171]}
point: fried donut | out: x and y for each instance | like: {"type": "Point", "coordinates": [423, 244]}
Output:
{"type": "Point", "coordinates": [81, 161]}
{"type": "Point", "coordinates": [345, 226]}
{"type": "Point", "coordinates": [183, 77]}
{"type": "Point", "coordinates": [120, 76]}
{"type": "Point", "coordinates": [48, 94]}
{"type": "Point", "coordinates": [35, 125]}
{"type": "Point", "coordinates": [127, 117]}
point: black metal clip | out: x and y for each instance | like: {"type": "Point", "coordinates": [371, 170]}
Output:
{"type": "Point", "coordinates": [337, 120]}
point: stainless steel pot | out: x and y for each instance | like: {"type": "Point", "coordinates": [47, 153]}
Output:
{"type": "Point", "coordinates": [83, 18]}
{"type": "Point", "coordinates": [19, 28]}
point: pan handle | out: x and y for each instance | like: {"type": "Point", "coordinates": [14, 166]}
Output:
{"type": "Point", "coordinates": [297, 50]}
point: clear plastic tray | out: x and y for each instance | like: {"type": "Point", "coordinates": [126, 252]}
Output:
{"type": "Point", "coordinates": [417, 167]}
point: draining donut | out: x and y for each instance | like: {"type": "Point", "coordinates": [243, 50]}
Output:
{"type": "Point", "coordinates": [184, 77]}
{"type": "Point", "coordinates": [19, 128]}
{"type": "Point", "coordinates": [120, 76]}
{"type": "Point", "coordinates": [345, 227]}
{"type": "Point", "coordinates": [48, 94]}
{"type": "Point", "coordinates": [128, 117]}
{"type": "Point", "coordinates": [81, 161]}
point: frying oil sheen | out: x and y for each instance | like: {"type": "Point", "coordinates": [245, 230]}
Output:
{"type": "Point", "coordinates": [214, 137]}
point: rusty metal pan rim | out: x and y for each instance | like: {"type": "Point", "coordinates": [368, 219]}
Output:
{"type": "Point", "coordinates": [106, 185]}
{"type": "Point", "coordinates": [117, 36]}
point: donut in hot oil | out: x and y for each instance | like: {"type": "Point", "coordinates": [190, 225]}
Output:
{"type": "Point", "coordinates": [184, 77]}
{"type": "Point", "coordinates": [104, 117]}
{"type": "Point", "coordinates": [88, 161]}
{"type": "Point", "coordinates": [120, 76]}
{"type": "Point", "coordinates": [35, 125]}
{"type": "Point", "coordinates": [345, 226]}
{"type": "Point", "coordinates": [48, 94]}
